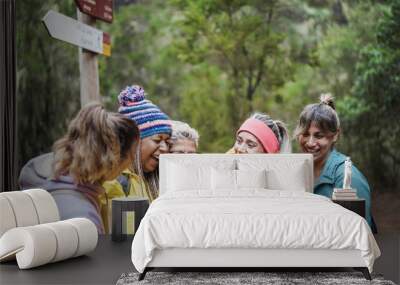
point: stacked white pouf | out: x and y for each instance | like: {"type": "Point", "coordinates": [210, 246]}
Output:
{"type": "Point", "coordinates": [31, 230]}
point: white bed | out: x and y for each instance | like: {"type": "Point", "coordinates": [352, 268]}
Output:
{"type": "Point", "coordinates": [219, 210]}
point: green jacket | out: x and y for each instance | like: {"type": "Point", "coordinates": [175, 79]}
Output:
{"type": "Point", "coordinates": [332, 177]}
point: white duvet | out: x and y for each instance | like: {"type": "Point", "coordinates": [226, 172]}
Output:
{"type": "Point", "coordinates": [250, 219]}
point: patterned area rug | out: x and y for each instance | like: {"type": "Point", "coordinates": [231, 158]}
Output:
{"type": "Point", "coordinates": [228, 278]}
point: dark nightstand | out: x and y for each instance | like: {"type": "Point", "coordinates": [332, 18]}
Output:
{"type": "Point", "coordinates": [355, 205]}
{"type": "Point", "coordinates": [122, 206]}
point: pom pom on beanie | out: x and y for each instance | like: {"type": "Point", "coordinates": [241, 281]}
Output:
{"type": "Point", "coordinates": [149, 118]}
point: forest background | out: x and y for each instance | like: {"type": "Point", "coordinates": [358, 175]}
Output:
{"type": "Point", "coordinates": [211, 63]}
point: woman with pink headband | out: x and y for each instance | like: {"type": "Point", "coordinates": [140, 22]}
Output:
{"type": "Point", "coordinates": [261, 134]}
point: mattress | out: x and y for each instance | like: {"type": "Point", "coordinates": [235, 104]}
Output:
{"type": "Point", "coordinates": [251, 219]}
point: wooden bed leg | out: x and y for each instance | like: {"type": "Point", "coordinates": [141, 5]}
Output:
{"type": "Point", "coordinates": [143, 274]}
{"type": "Point", "coordinates": [364, 271]}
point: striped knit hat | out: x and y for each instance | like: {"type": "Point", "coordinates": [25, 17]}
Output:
{"type": "Point", "coordinates": [149, 118]}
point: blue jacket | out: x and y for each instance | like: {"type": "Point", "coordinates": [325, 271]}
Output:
{"type": "Point", "coordinates": [332, 177]}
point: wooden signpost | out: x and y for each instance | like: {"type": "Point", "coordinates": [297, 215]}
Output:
{"type": "Point", "coordinates": [90, 40]}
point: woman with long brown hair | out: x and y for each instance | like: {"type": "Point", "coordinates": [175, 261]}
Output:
{"type": "Point", "coordinates": [97, 147]}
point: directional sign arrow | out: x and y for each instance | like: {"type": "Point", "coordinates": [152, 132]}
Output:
{"type": "Point", "coordinates": [74, 32]}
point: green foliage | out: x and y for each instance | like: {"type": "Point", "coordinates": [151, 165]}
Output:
{"type": "Point", "coordinates": [142, 54]}
{"type": "Point", "coordinates": [212, 62]}
{"type": "Point", "coordinates": [240, 38]}
{"type": "Point", "coordinates": [204, 104]}
{"type": "Point", "coordinates": [377, 87]}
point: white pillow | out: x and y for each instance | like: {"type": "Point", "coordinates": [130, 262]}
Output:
{"type": "Point", "coordinates": [281, 174]}
{"type": "Point", "coordinates": [251, 178]}
{"type": "Point", "coordinates": [188, 177]}
{"type": "Point", "coordinates": [226, 179]}
{"type": "Point", "coordinates": [223, 179]}
{"type": "Point", "coordinates": [295, 180]}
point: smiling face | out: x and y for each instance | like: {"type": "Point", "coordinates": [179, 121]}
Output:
{"type": "Point", "coordinates": [317, 142]}
{"type": "Point", "coordinates": [150, 149]}
{"type": "Point", "coordinates": [247, 143]}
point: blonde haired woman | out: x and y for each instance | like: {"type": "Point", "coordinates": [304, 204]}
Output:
{"type": "Point", "coordinates": [184, 139]}
{"type": "Point", "coordinates": [97, 147]}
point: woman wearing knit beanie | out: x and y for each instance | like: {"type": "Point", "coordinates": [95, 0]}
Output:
{"type": "Point", "coordinates": [155, 130]}
{"type": "Point", "coordinates": [141, 179]}
{"type": "Point", "coordinates": [261, 134]}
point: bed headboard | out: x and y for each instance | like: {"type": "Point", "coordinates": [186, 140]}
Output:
{"type": "Point", "coordinates": [285, 170]}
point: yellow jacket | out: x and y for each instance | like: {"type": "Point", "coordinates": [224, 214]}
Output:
{"type": "Point", "coordinates": [127, 184]}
